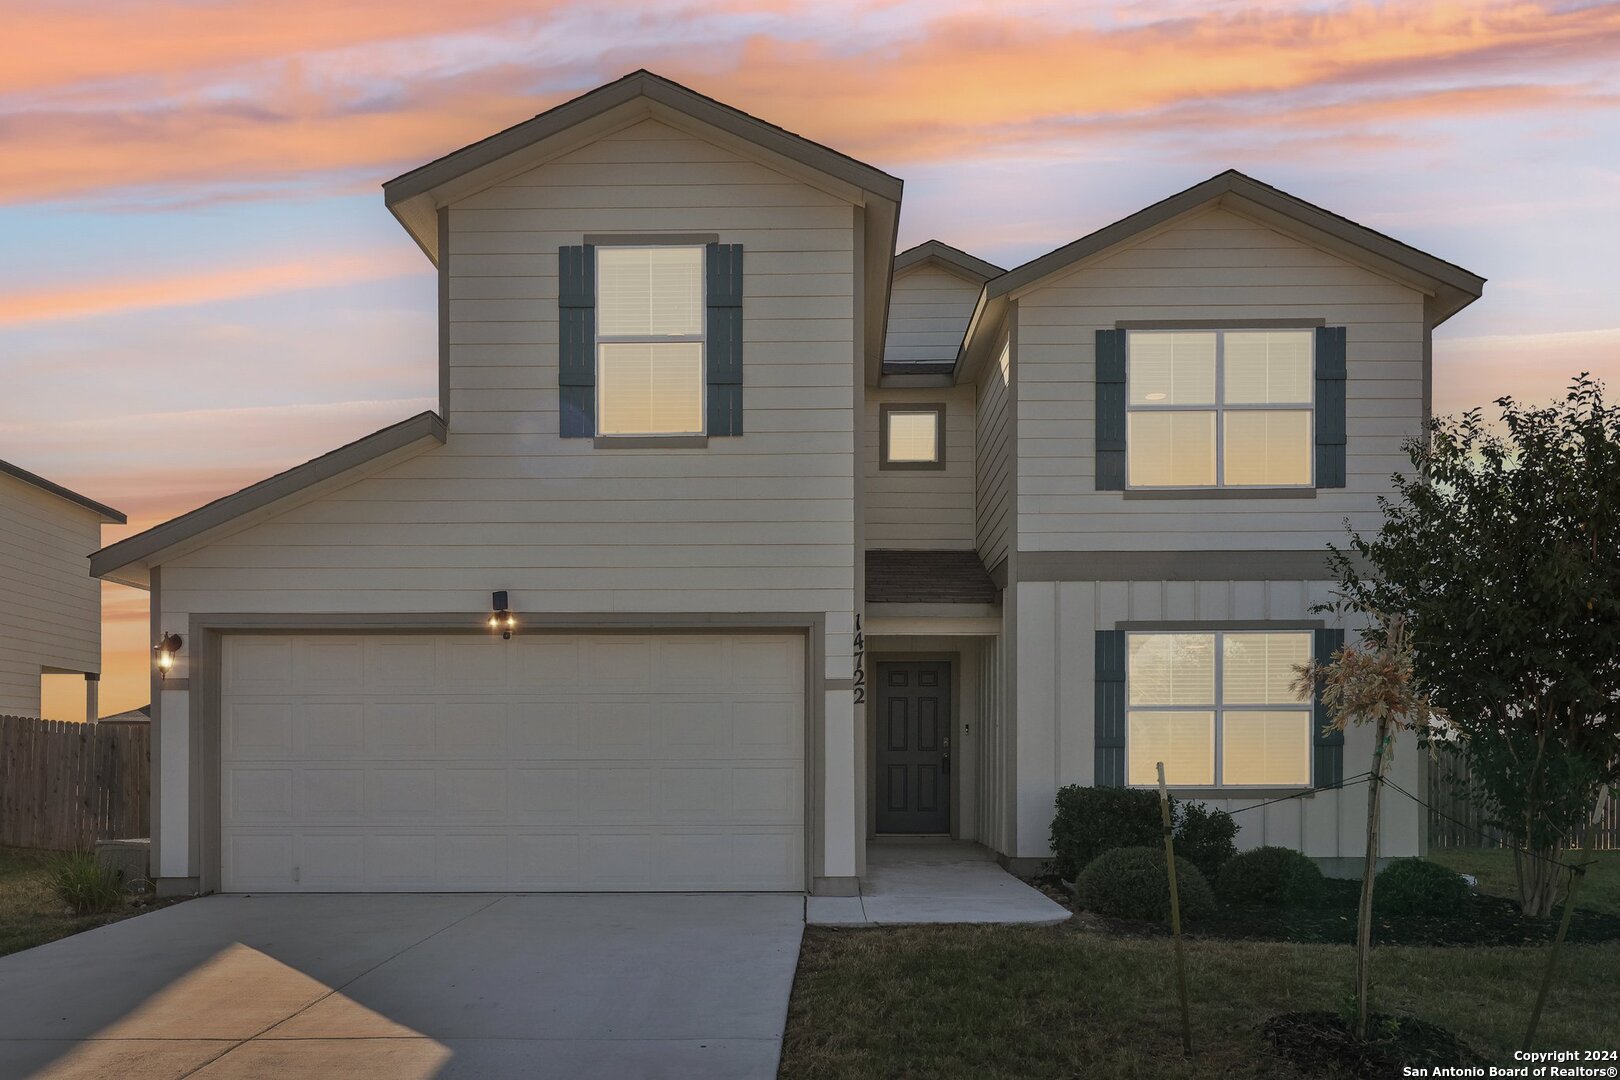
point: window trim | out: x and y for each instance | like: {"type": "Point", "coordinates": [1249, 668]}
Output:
{"type": "Point", "coordinates": [1220, 408]}
{"type": "Point", "coordinates": [701, 338]}
{"type": "Point", "coordinates": [888, 409]}
{"type": "Point", "coordinates": [1218, 708]}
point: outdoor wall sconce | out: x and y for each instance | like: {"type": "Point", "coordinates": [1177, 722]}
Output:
{"type": "Point", "coordinates": [166, 648]}
{"type": "Point", "coordinates": [502, 619]}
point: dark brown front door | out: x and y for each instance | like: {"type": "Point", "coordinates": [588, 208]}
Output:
{"type": "Point", "coordinates": [913, 746]}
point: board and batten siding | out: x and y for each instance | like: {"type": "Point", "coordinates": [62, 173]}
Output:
{"type": "Point", "coordinates": [1057, 624]}
{"type": "Point", "coordinates": [993, 485]}
{"type": "Point", "coordinates": [763, 522]}
{"type": "Point", "coordinates": [922, 508]}
{"type": "Point", "coordinates": [50, 606]}
{"type": "Point", "coordinates": [929, 308]}
{"type": "Point", "coordinates": [1215, 265]}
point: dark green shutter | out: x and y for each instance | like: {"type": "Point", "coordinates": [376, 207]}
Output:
{"type": "Point", "coordinates": [1330, 376]}
{"type": "Point", "coordinates": [1110, 382]}
{"type": "Point", "coordinates": [576, 341]}
{"type": "Point", "coordinates": [1327, 747]}
{"type": "Point", "coordinates": [1110, 708]}
{"type": "Point", "coordinates": [724, 274]}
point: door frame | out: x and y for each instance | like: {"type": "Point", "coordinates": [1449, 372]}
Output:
{"type": "Point", "coordinates": [204, 697]}
{"type": "Point", "coordinates": [954, 660]}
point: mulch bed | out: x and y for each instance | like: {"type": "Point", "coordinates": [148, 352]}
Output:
{"type": "Point", "coordinates": [1486, 920]}
{"type": "Point", "coordinates": [1321, 1044]}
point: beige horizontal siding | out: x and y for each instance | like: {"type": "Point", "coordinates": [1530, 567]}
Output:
{"type": "Point", "coordinates": [993, 500]}
{"type": "Point", "coordinates": [1217, 265]}
{"type": "Point", "coordinates": [761, 522]}
{"type": "Point", "coordinates": [50, 606]}
{"type": "Point", "coordinates": [929, 308]}
{"type": "Point", "coordinates": [922, 508]}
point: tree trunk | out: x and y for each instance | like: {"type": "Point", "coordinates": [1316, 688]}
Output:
{"type": "Point", "coordinates": [1369, 870]}
{"type": "Point", "coordinates": [1538, 873]}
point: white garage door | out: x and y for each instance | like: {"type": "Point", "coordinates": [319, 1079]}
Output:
{"type": "Point", "coordinates": [407, 762]}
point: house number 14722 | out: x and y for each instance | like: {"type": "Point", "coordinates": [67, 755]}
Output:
{"type": "Point", "coordinates": [860, 663]}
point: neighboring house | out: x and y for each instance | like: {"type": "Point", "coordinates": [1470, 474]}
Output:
{"type": "Point", "coordinates": [50, 606]}
{"type": "Point", "coordinates": [802, 542]}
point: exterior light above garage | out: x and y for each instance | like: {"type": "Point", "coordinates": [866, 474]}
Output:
{"type": "Point", "coordinates": [166, 648]}
{"type": "Point", "coordinates": [501, 619]}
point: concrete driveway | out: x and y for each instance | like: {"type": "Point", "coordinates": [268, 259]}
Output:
{"type": "Point", "coordinates": [411, 987]}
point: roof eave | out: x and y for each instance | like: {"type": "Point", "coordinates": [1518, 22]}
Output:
{"type": "Point", "coordinates": [414, 196]}
{"type": "Point", "coordinates": [128, 562]}
{"type": "Point", "coordinates": [108, 515]}
{"type": "Point", "coordinates": [953, 259]}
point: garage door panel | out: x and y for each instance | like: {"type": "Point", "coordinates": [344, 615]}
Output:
{"type": "Point", "coordinates": [477, 664]}
{"type": "Point", "coordinates": [332, 796]}
{"type": "Point", "coordinates": [257, 729]}
{"type": "Point", "coordinates": [259, 796]}
{"type": "Point", "coordinates": [336, 666]}
{"type": "Point", "coordinates": [402, 728]}
{"type": "Point", "coordinates": [548, 796]}
{"type": "Point", "coordinates": [469, 729]}
{"type": "Point", "coordinates": [403, 663]}
{"type": "Point", "coordinates": [331, 729]}
{"type": "Point", "coordinates": [610, 761]}
{"type": "Point", "coordinates": [617, 663]}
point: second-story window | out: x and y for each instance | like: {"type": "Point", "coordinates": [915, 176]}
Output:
{"type": "Point", "coordinates": [1219, 408]}
{"type": "Point", "coordinates": [649, 340]}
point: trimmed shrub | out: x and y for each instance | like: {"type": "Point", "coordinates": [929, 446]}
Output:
{"type": "Point", "coordinates": [1419, 888]}
{"type": "Point", "coordinates": [1204, 837]}
{"type": "Point", "coordinates": [1131, 883]}
{"type": "Point", "coordinates": [1270, 875]}
{"type": "Point", "coordinates": [85, 885]}
{"type": "Point", "coordinates": [1092, 820]}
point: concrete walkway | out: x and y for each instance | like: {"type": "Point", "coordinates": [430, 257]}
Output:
{"type": "Point", "coordinates": [934, 881]}
{"type": "Point", "coordinates": [410, 987]}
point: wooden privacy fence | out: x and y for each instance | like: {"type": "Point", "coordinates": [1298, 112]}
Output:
{"type": "Point", "coordinates": [1455, 821]}
{"type": "Point", "coordinates": [65, 785]}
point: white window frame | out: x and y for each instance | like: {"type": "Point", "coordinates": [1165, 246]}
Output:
{"type": "Point", "coordinates": [701, 338]}
{"type": "Point", "coordinates": [1219, 709]}
{"type": "Point", "coordinates": [1220, 408]}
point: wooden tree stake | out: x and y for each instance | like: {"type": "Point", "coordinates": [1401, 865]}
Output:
{"type": "Point", "coordinates": [1578, 872]}
{"type": "Point", "coordinates": [1175, 912]}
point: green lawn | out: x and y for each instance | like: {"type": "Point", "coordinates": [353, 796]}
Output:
{"type": "Point", "coordinates": [1014, 1002]}
{"type": "Point", "coordinates": [1494, 869]}
{"type": "Point", "coordinates": [30, 913]}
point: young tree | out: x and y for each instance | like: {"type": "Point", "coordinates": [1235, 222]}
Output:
{"type": "Point", "coordinates": [1502, 552]}
{"type": "Point", "coordinates": [1378, 685]}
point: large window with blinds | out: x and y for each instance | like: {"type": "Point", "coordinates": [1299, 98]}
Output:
{"type": "Point", "coordinates": [1217, 708]}
{"type": "Point", "coordinates": [649, 340]}
{"type": "Point", "coordinates": [1219, 408]}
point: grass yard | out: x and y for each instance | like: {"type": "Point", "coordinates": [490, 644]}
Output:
{"type": "Point", "coordinates": [1494, 869]}
{"type": "Point", "coordinates": [1016, 1002]}
{"type": "Point", "coordinates": [30, 913]}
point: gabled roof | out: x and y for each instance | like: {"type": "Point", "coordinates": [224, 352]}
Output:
{"type": "Point", "coordinates": [411, 196]}
{"type": "Point", "coordinates": [1450, 287]}
{"type": "Point", "coordinates": [109, 516]}
{"type": "Point", "coordinates": [416, 197]}
{"type": "Point", "coordinates": [129, 561]}
{"type": "Point", "coordinates": [955, 260]}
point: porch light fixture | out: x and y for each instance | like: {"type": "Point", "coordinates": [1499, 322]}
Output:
{"type": "Point", "coordinates": [501, 620]}
{"type": "Point", "coordinates": [166, 648]}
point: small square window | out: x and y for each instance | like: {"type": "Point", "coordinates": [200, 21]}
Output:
{"type": "Point", "coordinates": [912, 436]}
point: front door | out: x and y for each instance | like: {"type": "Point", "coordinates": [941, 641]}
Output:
{"type": "Point", "coordinates": [914, 746]}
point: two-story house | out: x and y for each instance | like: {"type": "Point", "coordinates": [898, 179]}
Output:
{"type": "Point", "coordinates": [737, 540]}
{"type": "Point", "coordinates": [50, 607]}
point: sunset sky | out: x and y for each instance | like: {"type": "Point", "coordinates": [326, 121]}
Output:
{"type": "Point", "coordinates": [200, 286]}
